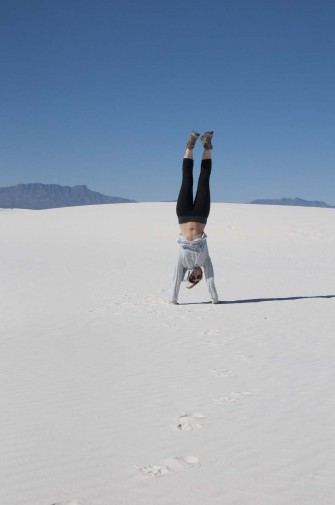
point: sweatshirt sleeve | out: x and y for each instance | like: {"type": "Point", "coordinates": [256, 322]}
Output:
{"type": "Point", "coordinates": [209, 274]}
{"type": "Point", "coordinates": [179, 273]}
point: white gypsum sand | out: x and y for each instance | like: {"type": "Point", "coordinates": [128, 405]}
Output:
{"type": "Point", "coordinates": [110, 395]}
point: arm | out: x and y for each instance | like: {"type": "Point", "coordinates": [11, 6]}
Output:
{"type": "Point", "coordinates": [179, 273]}
{"type": "Point", "coordinates": [209, 274]}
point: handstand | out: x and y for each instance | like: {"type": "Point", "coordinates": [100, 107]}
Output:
{"type": "Point", "coordinates": [192, 217]}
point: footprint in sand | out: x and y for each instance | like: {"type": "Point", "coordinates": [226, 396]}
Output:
{"type": "Point", "coordinates": [214, 343]}
{"type": "Point", "coordinates": [233, 397]}
{"type": "Point", "coordinates": [211, 332]}
{"type": "Point", "coordinates": [188, 422]}
{"type": "Point", "coordinates": [100, 311]}
{"type": "Point", "coordinates": [244, 357]}
{"type": "Point", "coordinates": [171, 464]}
{"type": "Point", "coordinates": [219, 372]}
{"type": "Point", "coordinates": [154, 470]}
{"type": "Point", "coordinates": [70, 502]}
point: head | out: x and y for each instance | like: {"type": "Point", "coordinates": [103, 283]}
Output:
{"type": "Point", "coordinates": [195, 275]}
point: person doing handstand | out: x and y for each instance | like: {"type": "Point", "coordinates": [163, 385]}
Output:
{"type": "Point", "coordinates": [193, 257]}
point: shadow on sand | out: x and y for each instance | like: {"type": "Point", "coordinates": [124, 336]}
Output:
{"type": "Point", "coordinates": [258, 300]}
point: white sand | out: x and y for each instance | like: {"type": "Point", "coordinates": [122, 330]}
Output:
{"type": "Point", "coordinates": [109, 395]}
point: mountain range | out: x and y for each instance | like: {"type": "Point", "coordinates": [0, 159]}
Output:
{"type": "Point", "coordinates": [48, 196]}
{"type": "Point", "coordinates": [298, 202]}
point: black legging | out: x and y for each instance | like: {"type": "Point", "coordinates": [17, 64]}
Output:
{"type": "Point", "coordinates": [197, 211]}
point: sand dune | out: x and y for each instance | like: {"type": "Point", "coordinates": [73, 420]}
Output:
{"type": "Point", "coordinates": [110, 395]}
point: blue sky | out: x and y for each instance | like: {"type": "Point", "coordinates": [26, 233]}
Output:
{"type": "Point", "coordinates": [105, 93]}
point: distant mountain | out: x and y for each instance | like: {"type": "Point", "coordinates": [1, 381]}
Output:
{"type": "Point", "coordinates": [293, 202]}
{"type": "Point", "coordinates": [48, 196]}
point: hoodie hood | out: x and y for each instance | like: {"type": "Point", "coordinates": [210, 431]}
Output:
{"type": "Point", "coordinates": [195, 251]}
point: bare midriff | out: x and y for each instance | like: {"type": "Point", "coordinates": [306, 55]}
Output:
{"type": "Point", "coordinates": [192, 230]}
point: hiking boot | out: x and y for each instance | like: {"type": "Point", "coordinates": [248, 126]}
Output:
{"type": "Point", "coordinates": [206, 140]}
{"type": "Point", "coordinates": [192, 140]}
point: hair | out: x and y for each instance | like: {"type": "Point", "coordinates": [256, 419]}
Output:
{"type": "Point", "coordinates": [198, 269]}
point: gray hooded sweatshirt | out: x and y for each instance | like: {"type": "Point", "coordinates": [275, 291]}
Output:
{"type": "Point", "coordinates": [193, 253]}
